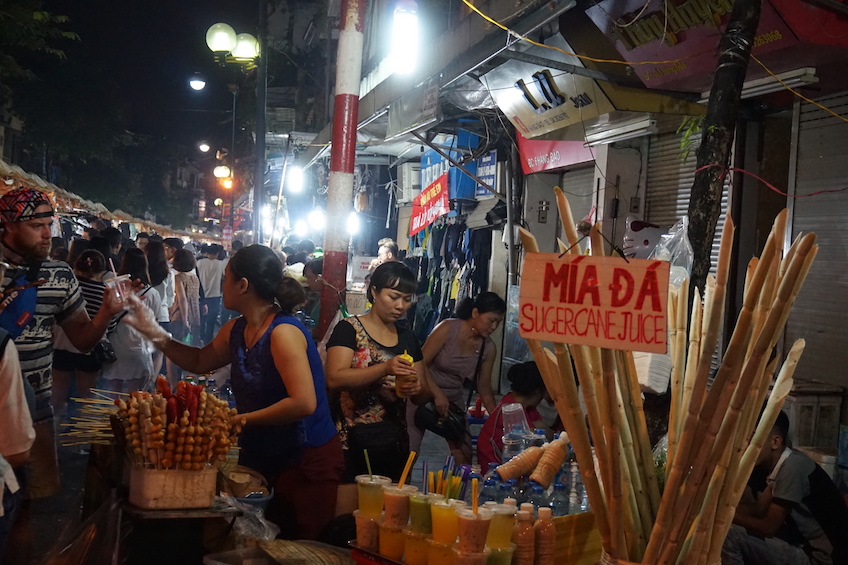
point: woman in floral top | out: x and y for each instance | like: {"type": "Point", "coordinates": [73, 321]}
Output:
{"type": "Point", "coordinates": [371, 379]}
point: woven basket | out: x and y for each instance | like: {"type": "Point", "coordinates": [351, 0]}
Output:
{"type": "Point", "coordinates": [578, 541]}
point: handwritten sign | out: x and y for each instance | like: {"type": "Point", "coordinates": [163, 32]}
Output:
{"type": "Point", "coordinates": [429, 205]}
{"type": "Point", "coordinates": [599, 301]}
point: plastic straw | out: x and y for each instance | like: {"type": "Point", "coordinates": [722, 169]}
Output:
{"type": "Point", "coordinates": [431, 483]}
{"type": "Point", "coordinates": [439, 483]}
{"type": "Point", "coordinates": [474, 488]}
{"type": "Point", "coordinates": [406, 469]}
{"type": "Point", "coordinates": [424, 480]}
{"type": "Point", "coordinates": [112, 265]}
{"type": "Point", "coordinates": [368, 464]}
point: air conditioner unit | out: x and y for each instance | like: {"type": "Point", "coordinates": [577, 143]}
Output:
{"type": "Point", "coordinates": [409, 182]}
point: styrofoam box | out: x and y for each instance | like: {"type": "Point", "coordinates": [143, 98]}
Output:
{"type": "Point", "coordinates": [172, 489]}
{"type": "Point", "coordinates": [248, 556]}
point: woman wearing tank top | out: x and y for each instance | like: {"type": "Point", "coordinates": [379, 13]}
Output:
{"type": "Point", "coordinates": [452, 352]}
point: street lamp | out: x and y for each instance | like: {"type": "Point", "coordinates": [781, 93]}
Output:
{"type": "Point", "coordinates": [246, 50]}
{"type": "Point", "coordinates": [197, 82]}
{"type": "Point", "coordinates": [204, 147]}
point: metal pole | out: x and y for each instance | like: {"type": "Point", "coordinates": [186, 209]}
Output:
{"type": "Point", "coordinates": [512, 173]}
{"type": "Point", "coordinates": [340, 191]}
{"type": "Point", "coordinates": [261, 86]}
{"type": "Point", "coordinates": [233, 160]}
{"type": "Point", "coordinates": [280, 190]}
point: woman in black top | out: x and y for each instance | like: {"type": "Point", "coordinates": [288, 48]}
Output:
{"type": "Point", "coordinates": [372, 380]}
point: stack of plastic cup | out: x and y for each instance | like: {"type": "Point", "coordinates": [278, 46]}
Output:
{"type": "Point", "coordinates": [419, 530]}
{"type": "Point", "coordinates": [395, 518]}
{"type": "Point", "coordinates": [473, 528]}
{"type": "Point", "coordinates": [369, 515]}
{"type": "Point", "coordinates": [367, 531]}
{"type": "Point", "coordinates": [500, 528]}
{"type": "Point", "coordinates": [500, 555]}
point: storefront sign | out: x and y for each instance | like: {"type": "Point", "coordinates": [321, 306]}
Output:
{"type": "Point", "coordinates": [538, 100]}
{"type": "Point", "coordinates": [359, 267]}
{"type": "Point", "coordinates": [599, 301]}
{"type": "Point", "coordinates": [682, 35]}
{"type": "Point", "coordinates": [487, 167]}
{"type": "Point", "coordinates": [429, 205]}
{"type": "Point", "coordinates": [543, 155]}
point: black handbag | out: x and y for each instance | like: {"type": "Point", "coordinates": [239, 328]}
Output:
{"type": "Point", "coordinates": [450, 427]}
{"type": "Point", "coordinates": [104, 352]}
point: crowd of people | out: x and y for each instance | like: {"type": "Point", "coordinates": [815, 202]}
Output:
{"type": "Point", "coordinates": [307, 422]}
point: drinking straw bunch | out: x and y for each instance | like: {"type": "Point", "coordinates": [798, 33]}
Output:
{"type": "Point", "coordinates": [451, 480]}
{"type": "Point", "coordinates": [711, 447]}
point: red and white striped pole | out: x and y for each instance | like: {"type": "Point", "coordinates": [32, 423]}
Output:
{"type": "Point", "coordinates": [340, 191]}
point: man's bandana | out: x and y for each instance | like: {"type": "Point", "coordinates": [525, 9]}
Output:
{"type": "Point", "coordinates": [19, 205]}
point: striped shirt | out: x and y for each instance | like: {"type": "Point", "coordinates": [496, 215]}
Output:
{"type": "Point", "coordinates": [59, 298]}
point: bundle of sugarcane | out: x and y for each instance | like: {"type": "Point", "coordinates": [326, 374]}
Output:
{"type": "Point", "coordinates": [711, 448]}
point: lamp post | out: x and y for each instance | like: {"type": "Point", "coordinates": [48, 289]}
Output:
{"type": "Point", "coordinates": [245, 50]}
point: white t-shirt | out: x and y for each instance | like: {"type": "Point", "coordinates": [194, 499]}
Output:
{"type": "Point", "coordinates": [15, 420]}
{"type": "Point", "coordinates": [210, 272]}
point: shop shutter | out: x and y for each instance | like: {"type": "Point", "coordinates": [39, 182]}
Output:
{"type": "Point", "coordinates": [669, 185]}
{"type": "Point", "coordinates": [819, 311]}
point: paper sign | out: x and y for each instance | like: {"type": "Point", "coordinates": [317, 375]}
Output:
{"type": "Point", "coordinates": [429, 205]}
{"type": "Point", "coordinates": [600, 301]}
{"type": "Point", "coordinates": [359, 267]}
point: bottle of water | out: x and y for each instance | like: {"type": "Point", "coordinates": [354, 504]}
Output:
{"type": "Point", "coordinates": [515, 490]}
{"type": "Point", "coordinates": [558, 500]}
{"type": "Point", "coordinates": [212, 388]}
{"type": "Point", "coordinates": [227, 394]}
{"type": "Point", "coordinates": [512, 446]}
{"type": "Point", "coordinates": [537, 438]}
{"type": "Point", "coordinates": [504, 491]}
{"type": "Point", "coordinates": [577, 500]}
{"type": "Point", "coordinates": [492, 472]}
{"type": "Point", "coordinates": [489, 492]}
{"type": "Point", "coordinates": [537, 497]}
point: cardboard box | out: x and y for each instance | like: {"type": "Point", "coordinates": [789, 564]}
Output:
{"type": "Point", "coordinates": [172, 489]}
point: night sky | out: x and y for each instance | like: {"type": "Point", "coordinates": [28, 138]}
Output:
{"type": "Point", "coordinates": [146, 51]}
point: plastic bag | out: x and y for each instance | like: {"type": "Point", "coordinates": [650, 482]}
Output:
{"type": "Point", "coordinates": [675, 248]}
{"type": "Point", "coordinates": [95, 540]}
{"type": "Point", "coordinates": [252, 523]}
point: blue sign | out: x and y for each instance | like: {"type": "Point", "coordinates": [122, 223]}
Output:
{"type": "Point", "coordinates": [434, 165]}
{"type": "Point", "coordinates": [486, 170]}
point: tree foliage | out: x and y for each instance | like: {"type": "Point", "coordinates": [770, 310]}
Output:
{"type": "Point", "coordinates": [26, 29]}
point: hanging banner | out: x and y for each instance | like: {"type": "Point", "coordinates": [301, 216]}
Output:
{"type": "Point", "coordinates": [429, 205]}
{"type": "Point", "coordinates": [599, 301]}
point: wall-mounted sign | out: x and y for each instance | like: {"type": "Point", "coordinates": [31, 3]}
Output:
{"type": "Point", "coordinates": [600, 301]}
{"type": "Point", "coordinates": [683, 33]}
{"type": "Point", "coordinates": [429, 205]}
{"type": "Point", "coordinates": [544, 155]}
{"type": "Point", "coordinates": [487, 166]}
{"type": "Point", "coordinates": [538, 100]}
{"type": "Point", "coordinates": [358, 268]}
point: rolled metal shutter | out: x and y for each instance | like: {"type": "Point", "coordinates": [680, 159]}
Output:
{"type": "Point", "coordinates": [819, 311]}
{"type": "Point", "coordinates": [669, 185]}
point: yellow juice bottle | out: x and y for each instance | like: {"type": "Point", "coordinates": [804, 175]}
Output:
{"type": "Point", "coordinates": [402, 380]}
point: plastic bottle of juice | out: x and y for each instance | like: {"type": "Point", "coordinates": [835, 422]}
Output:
{"type": "Point", "coordinates": [408, 357]}
{"type": "Point", "coordinates": [524, 538]}
{"type": "Point", "coordinates": [545, 538]}
{"type": "Point", "coordinates": [558, 502]}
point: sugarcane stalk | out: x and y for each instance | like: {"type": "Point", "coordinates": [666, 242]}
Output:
{"type": "Point", "coordinates": [567, 220]}
{"type": "Point", "coordinates": [778, 314]}
{"type": "Point", "coordinates": [693, 355]}
{"type": "Point", "coordinates": [614, 489]}
{"type": "Point", "coordinates": [678, 358]}
{"type": "Point", "coordinates": [681, 463]}
{"type": "Point", "coordinates": [730, 499]}
{"type": "Point", "coordinates": [641, 438]}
